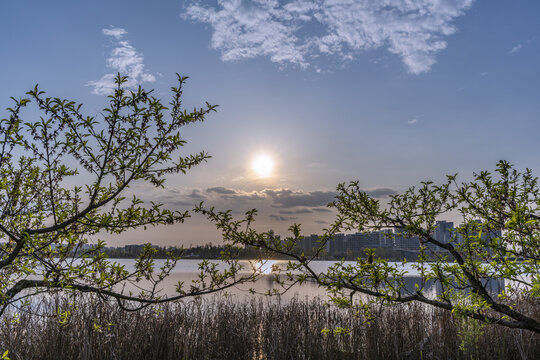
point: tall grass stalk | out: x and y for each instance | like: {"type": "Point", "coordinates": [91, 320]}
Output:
{"type": "Point", "coordinates": [224, 328]}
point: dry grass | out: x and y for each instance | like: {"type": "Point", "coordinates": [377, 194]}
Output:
{"type": "Point", "coordinates": [222, 328]}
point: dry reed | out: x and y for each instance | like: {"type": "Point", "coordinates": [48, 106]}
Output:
{"type": "Point", "coordinates": [222, 328]}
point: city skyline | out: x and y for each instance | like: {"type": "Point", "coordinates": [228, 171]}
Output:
{"type": "Point", "coordinates": [389, 95]}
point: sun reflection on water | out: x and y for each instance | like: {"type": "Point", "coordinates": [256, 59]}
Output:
{"type": "Point", "coordinates": [265, 267]}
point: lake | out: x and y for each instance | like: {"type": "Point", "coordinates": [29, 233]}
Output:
{"type": "Point", "coordinates": [186, 270]}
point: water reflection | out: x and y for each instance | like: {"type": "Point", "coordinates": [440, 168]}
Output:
{"type": "Point", "coordinates": [266, 267]}
{"type": "Point", "coordinates": [433, 288]}
{"type": "Point", "coordinates": [310, 290]}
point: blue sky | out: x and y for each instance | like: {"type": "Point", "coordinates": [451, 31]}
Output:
{"type": "Point", "coordinates": [388, 93]}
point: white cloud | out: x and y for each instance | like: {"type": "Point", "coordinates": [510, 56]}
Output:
{"type": "Point", "coordinates": [413, 121]}
{"type": "Point", "coordinates": [123, 59]}
{"type": "Point", "coordinates": [247, 29]}
{"type": "Point", "coordinates": [515, 49]}
{"type": "Point", "coordinates": [117, 33]}
{"type": "Point", "coordinates": [299, 31]}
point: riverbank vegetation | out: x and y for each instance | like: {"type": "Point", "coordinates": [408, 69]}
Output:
{"type": "Point", "coordinates": [259, 328]}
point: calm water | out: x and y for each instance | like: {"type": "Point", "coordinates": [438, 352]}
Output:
{"type": "Point", "coordinates": [187, 270]}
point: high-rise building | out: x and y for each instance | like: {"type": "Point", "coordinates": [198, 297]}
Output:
{"type": "Point", "coordinates": [336, 245]}
{"type": "Point", "coordinates": [371, 239]}
{"type": "Point", "coordinates": [353, 243]}
{"type": "Point", "coordinates": [403, 241]}
{"type": "Point", "coordinates": [443, 232]}
{"type": "Point", "coordinates": [386, 239]}
{"type": "Point", "coordinates": [309, 244]}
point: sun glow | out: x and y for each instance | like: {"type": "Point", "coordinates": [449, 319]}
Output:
{"type": "Point", "coordinates": [263, 166]}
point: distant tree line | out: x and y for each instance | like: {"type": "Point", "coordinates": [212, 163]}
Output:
{"type": "Point", "coordinates": [210, 251]}
{"type": "Point", "coordinates": [207, 251]}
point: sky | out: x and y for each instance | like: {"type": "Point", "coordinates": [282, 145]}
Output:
{"type": "Point", "coordinates": [389, 93]}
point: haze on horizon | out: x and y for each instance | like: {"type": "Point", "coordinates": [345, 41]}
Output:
{"type": "Point", "coordinates": [310, 93]}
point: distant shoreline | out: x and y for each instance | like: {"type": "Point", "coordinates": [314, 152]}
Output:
{"type": "Point", "coordinates": [214, 252]}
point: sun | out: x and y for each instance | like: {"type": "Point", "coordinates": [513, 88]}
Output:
{"type": "Point", "coordinates": [263, 165]}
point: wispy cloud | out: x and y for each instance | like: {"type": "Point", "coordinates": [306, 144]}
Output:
{"type": "Point", "coordinates": [322, 210]}
{"type": "Point", "coordinates": [281, 218]}
{"type": "Point", "coordinates": [123, 59]}
{"type": "Point", "coordinates": [221, 190]}
{"type": "Point", "coordinates": [380, 192]}
{"type": "Point", "coordinates": [281, 31]}
{"type": "Point", "coordinates": [196, 194]}
{"type": "Point", "coordinates": [515, 49]}
{"type": "Point", "coordinates": [299, 211]}
{"type": "Point", "coordinates": [117, 33]}
{"type": "Point", "coordinates": [413, 121]}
